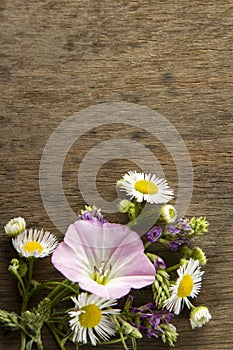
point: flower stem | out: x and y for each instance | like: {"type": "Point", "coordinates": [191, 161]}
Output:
{"type": "Point", "coordinates": [23, 340]}
{"type": "Point", "coordinates": [118, 340]}
{"type": "Point", "coordinates": [137, 208]}
{"type": "Point", "coordinates": [122, 337]}
{"type": "Point", "coordinates": [30, 271]}
{"type": "Point", "coordinates": [72, 289]}
{"type": "Point", "coordinates": [59, 285]}
{"type": "Point", "coordinates": [60, 292]}
{"type": "Point", "coordinates": [53, 330]}
{"type": "Point", "coordinates": [39, 344]}
{"type": "Point", "coordinates": [172, 268]}
{"type": "Point", "coordinates": [147, 244]}
{"type": "Point", "coordinates": [163, 241]}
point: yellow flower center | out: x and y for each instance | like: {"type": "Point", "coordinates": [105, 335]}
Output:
{"type": "Point", "coordinates": [31, 247]}
{"type": "Point", "coordinates": [101, 274]}
{"type": "Point", "coordinates": [172, 213]}
{"type": "Point", "coordinates": [185, 287]}
{"type": "Point", "coordinates": [146, 187]}
{"type": "Point", "coordinates": [91, 316]}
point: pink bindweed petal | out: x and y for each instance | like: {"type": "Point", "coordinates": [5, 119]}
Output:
{"type": "Point", "coordinates": [106, 259]}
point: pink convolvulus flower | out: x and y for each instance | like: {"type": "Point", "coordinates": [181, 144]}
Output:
{"type": "Point", "coordinates": [105, 259]}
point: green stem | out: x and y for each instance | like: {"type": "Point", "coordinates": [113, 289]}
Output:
{"type": "Point", "coordinates": [26, 295]}
{"type": "Point", "coordinates": [21, 286]}
{"type": "Point", "coordinates": [163, 241]}
{"type": "Point", "coordinates": [118, 340]}
{"type": "Point", "coordinates": [123, 340]}
{"type": "Point", "coordinates": [147, 244]}
{"type": "Point", "coordinates": [122, 337]}
{"type": "Point", "coordinates": [62, 284]}
{"type": "Point", "coordinates": [30, 271]}
{"type": "Point", "coordinates": [23, 340]}
{"type": "Point", "coordinates": [39, 343]}
{"type": "Point", "coordinates": [172, 268]}
{"type": "Point", "coordinates": [137, 208]}
{"type": "Point", "coordinates": [24, 334]}
{"type": "Point", "coordinates": [56, 336]}
{"type": "Point", "coordinates": [58, 297]}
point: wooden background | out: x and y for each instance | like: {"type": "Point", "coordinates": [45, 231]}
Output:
{"type": "Point", "coordinates": [59, 57]}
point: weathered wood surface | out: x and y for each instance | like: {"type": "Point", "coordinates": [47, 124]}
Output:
{"type": "Point", "coordinates": [59, 57]}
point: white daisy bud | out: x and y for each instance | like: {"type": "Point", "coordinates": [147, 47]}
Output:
{"type": "Point", "coordinates": [168, 213]}
{"type": "Point", "coordinates": [15, 226]}
{"type": "Point", "coordinates": [199, 316]}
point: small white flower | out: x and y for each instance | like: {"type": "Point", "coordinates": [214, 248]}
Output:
{"type": "Point", "coordinates": [168, 213]}
{"type": "Point", "coordinates": [187, 285]}
{"type": "Point", "coordinates": [145, 187]}
{"type": "Point", "coordinates": [92, 318]}
{"type": "Point", "coordinates": [199, 316]}
{"type": "Point", "coordinates": [15, 226]}
{"type": "Point", "coordinates": [35, 243]}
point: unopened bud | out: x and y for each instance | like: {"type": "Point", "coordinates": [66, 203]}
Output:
{"type": "Point", "coordinates": [15, 226]}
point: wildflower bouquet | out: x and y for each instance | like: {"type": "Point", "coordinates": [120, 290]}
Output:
{"type": "Point", "coordinates": [102, 262]}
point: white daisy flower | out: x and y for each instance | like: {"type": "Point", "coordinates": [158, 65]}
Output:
{"type": "Point", "coordinates": [147, 187]}
{"type": "Point", "coordinates": [92, 318]}
{"type": "Point", "coordinates": [187, 285]}
{"type": "Point", "coordinates": [199, 316]}
{"type": "Point", "coordinates": [168, 213]}
{"type": "Point", "coordinates": [35, 243]}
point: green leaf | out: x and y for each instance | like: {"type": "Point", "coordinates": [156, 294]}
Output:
{"type": "Point", "coordinates": [22, 268]}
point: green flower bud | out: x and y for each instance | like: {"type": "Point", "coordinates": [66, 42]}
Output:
{"type": "Point", "coordinates": [152, 257]}
{"type": "Point", "coordinates": [198, 254]}
{"type": "Point", "coordinates": [161, 288]}
{"type": "Point", "coordinates": [129, 330]}
{"type": "Point", "coordinates": [169, 334]}
{"type": "Point", "coordinates": [126, 206]}
{"type": "Point", "coordinates": [9, 319]}
{"type": "Point", "coordinates": [15, 226]}
{"type": "Point", "coordinates": [199, 225]}
{"type": "Point", "coordinates": [168, 213]}
{"type": "Point", "coordinates": [14, 266]}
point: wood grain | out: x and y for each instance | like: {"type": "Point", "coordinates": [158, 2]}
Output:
{"type": "Point", "coordinates": [59, 57]}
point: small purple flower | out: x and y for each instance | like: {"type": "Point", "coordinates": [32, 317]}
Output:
{"type": "Point", "coordinates": [154, 234]}
{"type": "Point", "coordinates": [178, 242]}
{"type": "Point", "coordinates": [150, 333]}
{"type": "Point", "coordinates": [173, 229]}
{"type": "Point", "coordinates": [154, 321]}
{"type": "Point", "coordinates": [181, 226]}
{"type": "Point", "coordinates": [159, 263]}
{"type": "Point", "coordinates": [91, 213]}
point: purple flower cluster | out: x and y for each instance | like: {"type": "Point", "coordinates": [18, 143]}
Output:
{"type": "Point", "coordinates": [150, 319]}
{"type": "Point", "coordinates": [92, 214]}
{"type": "Point", "coordinates": [182, 232]}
